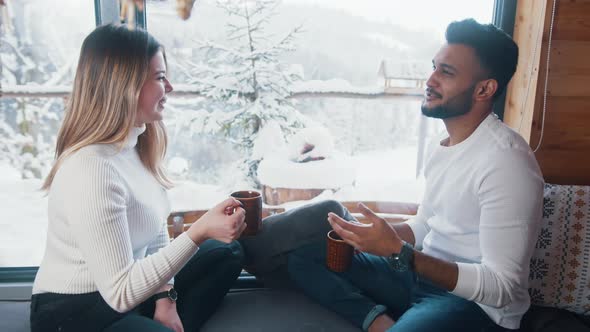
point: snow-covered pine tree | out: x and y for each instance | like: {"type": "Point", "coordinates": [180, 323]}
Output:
{"type": "Point", "coordinates": [246, 80]}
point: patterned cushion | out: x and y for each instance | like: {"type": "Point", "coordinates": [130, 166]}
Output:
{"type": "Point", "coordinates": [560, 266]}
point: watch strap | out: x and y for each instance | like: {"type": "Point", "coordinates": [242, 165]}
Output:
{"type": "Point", "coordinates": [404, 260]}
{"type": "Point", "coordinates": [168, 294]}
{"type": "Point", "coordinates": [160, 295]}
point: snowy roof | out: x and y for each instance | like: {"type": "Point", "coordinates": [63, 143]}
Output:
{"type": "Point", "coordinates": [404, 69]}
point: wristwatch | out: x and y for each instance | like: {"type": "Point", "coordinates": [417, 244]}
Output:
{"type": "Point", "coordinates": [404, 260]}
{"type": "Point", "coordinates": [169, 294]}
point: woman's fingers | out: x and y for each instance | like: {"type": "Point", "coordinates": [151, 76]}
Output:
{"type": "Point", "coordinates": [227, 204]}
{"type": "Point", "coordinates": [239, 217]}
{"type": "Point", "coordinates": [242, 228]}
{"type": "Point", "coordinates": [240, 213]}
{"type": "Point", "coordinates": [228, 210]}
{"type": "Point", "coordinates": [235, 203]}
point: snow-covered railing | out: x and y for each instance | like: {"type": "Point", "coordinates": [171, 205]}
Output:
{"type": "Point", "coordinates": [336, 88]}
{"type": "Point", "coordinates": [42, 91]}
{"type": "Point", "coordinates": [343, 89]}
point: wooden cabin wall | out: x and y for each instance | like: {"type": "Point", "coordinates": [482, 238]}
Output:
{"type": "Point", "coordinates": [564, 153]}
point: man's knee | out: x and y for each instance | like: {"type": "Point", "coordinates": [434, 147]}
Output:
{"type": "Point", "coordinates": [331, 205]}
{"type": "Point", "coordinates": [315, 214]}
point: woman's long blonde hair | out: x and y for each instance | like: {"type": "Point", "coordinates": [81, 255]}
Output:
{"type": "Point", "coordinates": [113, 66]}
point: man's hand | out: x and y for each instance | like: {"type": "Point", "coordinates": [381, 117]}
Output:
{"type": "Point", "coordinates": [378, 239]}
{"type": "Point", "coordinates": [167, 315]}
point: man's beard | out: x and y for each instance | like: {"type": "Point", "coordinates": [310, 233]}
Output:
{"type": "Point", "coordinates": [455, 106]}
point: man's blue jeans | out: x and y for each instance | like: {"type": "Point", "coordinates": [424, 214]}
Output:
{"type": "Point", "coordinates": [370, 288]}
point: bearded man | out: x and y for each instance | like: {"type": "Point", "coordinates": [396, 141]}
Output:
{"type": "Point", "coordinates": [476, 226]}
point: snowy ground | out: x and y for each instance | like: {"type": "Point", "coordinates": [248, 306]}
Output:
{"type": "Point", "coordinates": [378, 175]}
{"type": "Point", "coordinates": [24, 219]}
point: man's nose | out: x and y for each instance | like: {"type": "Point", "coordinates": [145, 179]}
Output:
{"type": "Point", "coordinates": [432, 80]}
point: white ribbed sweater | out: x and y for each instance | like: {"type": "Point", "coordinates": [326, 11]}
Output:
{"type": "Point", "coordinates": [107, 228]}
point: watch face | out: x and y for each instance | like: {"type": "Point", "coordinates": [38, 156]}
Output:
{"type": "Point", "coordinates": [172, 294]}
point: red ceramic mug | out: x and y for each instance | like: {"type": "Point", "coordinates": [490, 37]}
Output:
{"type": "Point", "coordinates": [252, 203]}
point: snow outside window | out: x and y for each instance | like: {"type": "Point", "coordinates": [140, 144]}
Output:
{"type": "Point", "coordinates": [39, 47]}
{"type": "Point", "coordinates": [276, 79]}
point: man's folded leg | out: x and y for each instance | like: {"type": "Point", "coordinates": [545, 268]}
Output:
{"type": "Point", "coordinates": [266, 253]}
{"type": "Point", "coordinates": [368, 289]}
{"type": "Point", "coordinates": [437, 310]}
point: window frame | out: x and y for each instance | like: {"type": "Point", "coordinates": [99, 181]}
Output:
{"type": "Point", "coordinates": [504, 12]}
{"type": "Point", "coordinates": [503, 17]}
{"type": "Point", "coordinates": [107, 11]}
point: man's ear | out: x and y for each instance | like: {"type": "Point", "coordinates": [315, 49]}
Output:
{"type": "Point", "coordinates": [486, 89]}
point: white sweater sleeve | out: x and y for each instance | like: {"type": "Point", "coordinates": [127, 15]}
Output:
{"type": "Point", "coordinates": [162, 240]}
{"type": "Point", "coordinates": [511, 198]}
{"type": "Point", "coordinates": [96, 209]}
{"type": "Point", "coordinates": [419, 225]}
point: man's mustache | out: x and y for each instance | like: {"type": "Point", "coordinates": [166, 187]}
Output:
{"type": "Point", "coordinates": [432, 92]}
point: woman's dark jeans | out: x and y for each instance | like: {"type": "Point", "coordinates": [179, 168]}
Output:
{"type": "Point", "coordinates": [201, 285]}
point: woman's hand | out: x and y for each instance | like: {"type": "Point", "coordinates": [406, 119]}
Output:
{"type": "Point", "coordinates": [224, 222]}
{"type": "Point", "coordinates": [167, 315]}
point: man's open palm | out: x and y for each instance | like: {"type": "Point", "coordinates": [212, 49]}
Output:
{"type": "Point", "coordinates": [377, 238]}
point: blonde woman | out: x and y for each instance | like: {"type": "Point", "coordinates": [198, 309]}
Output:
{"type": "Point", "coordinates": [108, 263]}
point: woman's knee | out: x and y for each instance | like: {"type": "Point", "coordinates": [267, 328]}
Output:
{"type": "Point", "coordinates": [228, 259]}
{"type": "Point", "coordinates": [216, 252]}
{"type": "Point", "coordinates": [214, 258]}
{"type": "Point", "coordinates": [234, 253]}
{"type": "Point", "coordinates": [231, 250]}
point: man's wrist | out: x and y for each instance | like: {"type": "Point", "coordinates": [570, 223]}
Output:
{"type": "Point", "coordinates": [404, 259]}
{"type": "Point", "coordinates": [396, 247]}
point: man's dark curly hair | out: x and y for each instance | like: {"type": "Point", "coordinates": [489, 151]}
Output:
{"type": "Point", "coordinates": [497, 52]}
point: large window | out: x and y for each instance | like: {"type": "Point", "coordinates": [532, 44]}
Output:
{"type": "Point", "coordinates": [334, 107]}
{"type": "Point", "coordinates": [358, 70]}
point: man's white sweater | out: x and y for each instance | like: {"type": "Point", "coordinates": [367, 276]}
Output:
{"type": "Point", "coordinates": [107, 228]}
{"type": "Point", "coordinates": [482, 209]}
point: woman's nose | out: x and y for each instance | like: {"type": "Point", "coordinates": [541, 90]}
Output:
{"type": "Point", "coordinates": [168, 87]}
